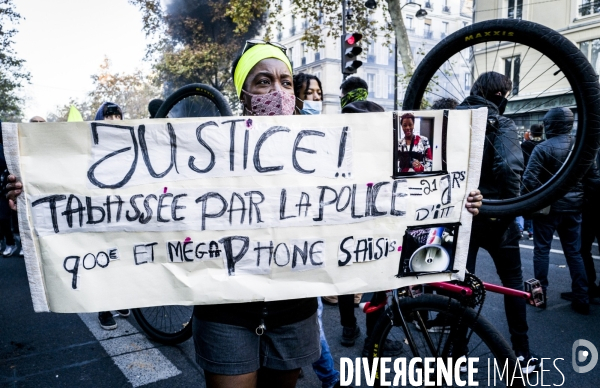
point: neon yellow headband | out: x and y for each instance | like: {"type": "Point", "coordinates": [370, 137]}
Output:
{"type": "Point", "coordinates": [251, 57]}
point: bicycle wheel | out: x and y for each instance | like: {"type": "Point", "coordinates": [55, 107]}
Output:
{"type": "Point", "coordinates": [168, 325]}
{"type": "Point", "coordinates": [547, 70]}
{"type": "Point", "coordinates": [194, 100]}
{"type": "Point", "coordinates": [462, 333]}
{"type": "Point", "coordinates": [171, 325]}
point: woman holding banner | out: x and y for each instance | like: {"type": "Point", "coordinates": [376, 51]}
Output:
{"type": "Point", "coordinates": [260, 343]}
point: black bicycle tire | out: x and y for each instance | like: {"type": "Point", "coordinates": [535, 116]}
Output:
{"type": "Point", "coordinates": [160, 336]}
{"type": "Point", "coordinates": [196, 89]}
{"type": "Point", "coordinates": [575, 67]}
{"type": "Point", "coordinates": [480, 326]}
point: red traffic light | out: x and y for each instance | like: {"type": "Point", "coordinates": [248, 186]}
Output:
{"type": "Point", "coordinates": [353, 38]}
{"type": "Point", "coordinates": [350, 50]}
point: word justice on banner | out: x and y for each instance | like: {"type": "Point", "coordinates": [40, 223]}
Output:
{"type": "Point", "coordinates": [222, 209]}
{"type": "Point", "coordinates": [124, 155]}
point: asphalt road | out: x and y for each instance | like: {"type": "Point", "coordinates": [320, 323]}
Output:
{"type": "Point", "coordinates": [70, 350]}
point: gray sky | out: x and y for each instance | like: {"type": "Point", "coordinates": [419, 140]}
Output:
{"type": "Point", "coordinates": [65, 41]}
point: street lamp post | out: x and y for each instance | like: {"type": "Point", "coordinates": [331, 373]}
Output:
{"type": "Point", "coordinates": [421, 13]}
{"type": "Point", "coordinates": [372, 4]}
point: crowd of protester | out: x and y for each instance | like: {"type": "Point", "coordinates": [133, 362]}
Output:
{"type": "Point", "coordinates": [274, 340]}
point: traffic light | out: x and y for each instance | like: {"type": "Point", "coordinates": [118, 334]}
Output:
{"type": "Point", "coordinates": [350, 50]}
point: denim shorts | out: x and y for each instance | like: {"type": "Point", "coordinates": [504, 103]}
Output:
{"type": "Point", "coordinates": [234, 350]}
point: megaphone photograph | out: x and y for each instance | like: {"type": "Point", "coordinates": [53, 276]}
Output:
{"type": "Point", "coordinates": [428, 250]}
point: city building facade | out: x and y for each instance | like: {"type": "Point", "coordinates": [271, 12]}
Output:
{"type": "Point", "coordinates": [443, 18]}
{"type": "Point", "coordinates": [577, 20]}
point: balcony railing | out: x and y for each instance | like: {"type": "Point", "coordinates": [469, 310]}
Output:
{"type": "Point", "coordinates": [443, 35]}
{"type": "Point", "coordinates": [428, 34]}
{"type": "Point", "coordinates": [589, 8]}
{"type": "Point", "coordinates": [446, 9]}
{"type": "Point", "coordinates": [410, 30]}
{"type": "Point", "coordinates": [428, 5]}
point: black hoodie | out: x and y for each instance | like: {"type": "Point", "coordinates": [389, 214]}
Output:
{"type": "Point", "coordinates": [502, 163]}
{"type": "Point", "coordinates": [548, 157]}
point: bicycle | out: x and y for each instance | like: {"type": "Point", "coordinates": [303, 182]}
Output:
{"type": "Point", "coordinates": [552, 70]}
{"type": "Point", "coordinates": [449, 326]}
{"type": "Point", "coordinates": [172, 325]}
{"type": "Point", "coordinates": [445, 326]}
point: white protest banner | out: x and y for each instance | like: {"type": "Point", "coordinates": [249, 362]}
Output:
{"type": "Point", "coordinates": [122, 214]}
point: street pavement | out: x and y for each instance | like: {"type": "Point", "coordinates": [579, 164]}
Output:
{"type": "Point", "coordinates": [70, 350]}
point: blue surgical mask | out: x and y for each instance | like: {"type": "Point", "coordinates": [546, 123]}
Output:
{"type": "Point", "coordinates": [312, 107]}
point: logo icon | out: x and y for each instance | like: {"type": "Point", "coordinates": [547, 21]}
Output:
{"type": "Point", "coordinates": [584, 355]}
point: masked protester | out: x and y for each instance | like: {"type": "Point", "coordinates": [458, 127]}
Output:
{"type": "Point", "coordinates": [309, 94]}
{"type": "Point", "coordinates": [353, 97]}
{"type": "Point", "coordinates": [565, 213]}
{"type": "Point", "coordinates": [501, 170]}
{"type": "Point", "coordinates": [226, 336]}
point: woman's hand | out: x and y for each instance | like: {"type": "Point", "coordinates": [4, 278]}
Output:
{"type": "Point", "coordinates": [15, 188]}
{"type": "Point", "coordinates": [474, 202]}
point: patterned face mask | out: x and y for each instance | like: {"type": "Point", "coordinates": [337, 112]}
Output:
{"type": "Point", "coordinates": [359, 94]}
{"type": "Point", "coordinates": [276, 103]}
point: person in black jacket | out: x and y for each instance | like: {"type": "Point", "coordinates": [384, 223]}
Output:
{"type": "Point", "coordinates": [590, 231]}
{"type": "Point", "coordinates": [501, 170]}
{"type": "Point", "coordinates": [565, 213]}
{"type": "Point", "coordinates": [536, 133]}
{"type": "Point", "coordinates": [353, 97]}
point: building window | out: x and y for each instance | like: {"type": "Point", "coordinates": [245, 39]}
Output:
{"type": "Point", "coordinates": [590, 49]}
{"type": "Point", "coordinates": [371, 84]}
{"type": "Point", "coordinates": [371, 53]}
{"type": "Point", "coordinates": [444, 29]}
{"type": "Point", "coordinates": [303, 59]}
{"type": "Point", "coordinates": [428, 4]}
{"type": "Point", "coordinates": [409, 24]}
{"type": "Point", "coordinates": [589, 7]}
{"type": "Point", "coordinates": [427, 33]}
{"type": "Point", "coordinates": [515, 9]}
{"type": "Point", "coordinates": [512, 68]}
{"type": "Point", "coordinates": [467, 81]}
{"type": "Point", "coordinates": [293, 28]}
{"type": "Point", "coordinates": [290, 51]}
{"type": "Point", "coordinates": [391, 86]}
{"type": "Point", "coordinates": [446, 8]}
